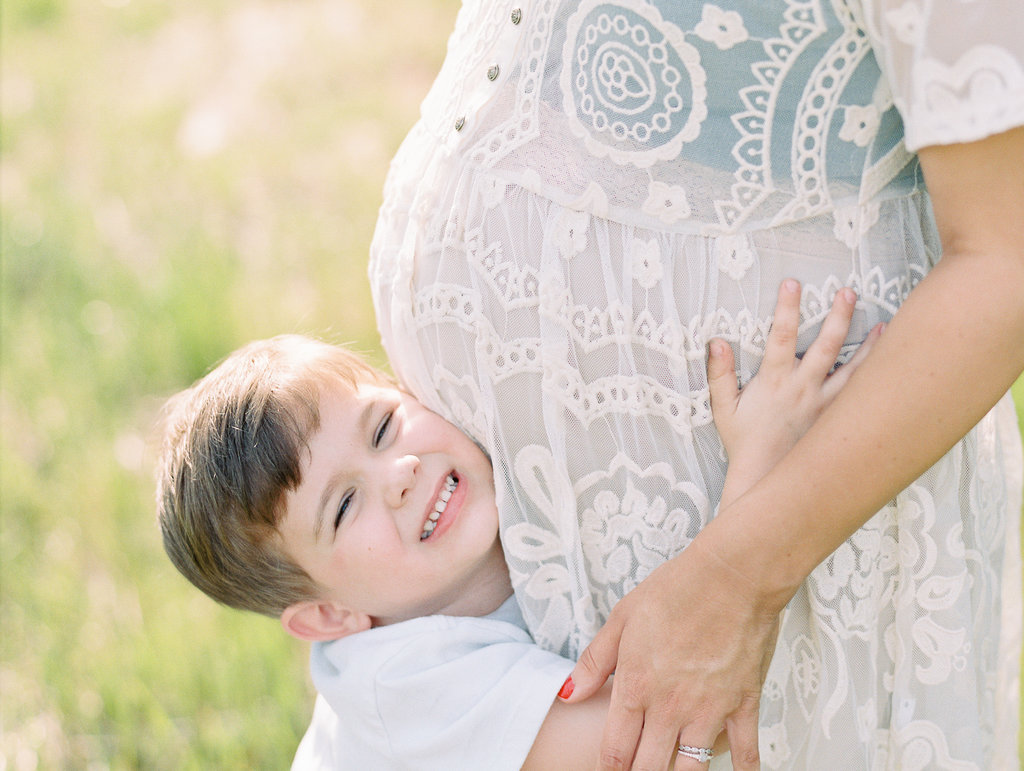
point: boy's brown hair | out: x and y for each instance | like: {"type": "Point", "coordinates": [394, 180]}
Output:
{"type": "Point", "coordinates": [232, 447]}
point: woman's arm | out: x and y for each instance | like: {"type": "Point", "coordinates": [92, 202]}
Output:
{"type": "Point", "coordinates": [689, 664]}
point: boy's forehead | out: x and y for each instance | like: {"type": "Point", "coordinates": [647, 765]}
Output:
{"type": "Point", "coordinates": [369, 391]}
{"type": "Point", "coordinates": [342, 387]}
{"type": "Point", "coordinates": [355, 399]}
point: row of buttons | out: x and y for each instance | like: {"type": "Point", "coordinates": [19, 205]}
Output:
{"type": "Point", "coordinates": [494, 70]}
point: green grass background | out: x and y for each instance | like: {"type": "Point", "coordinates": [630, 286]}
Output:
{"type": "Point", "coordinates": [176, 179]}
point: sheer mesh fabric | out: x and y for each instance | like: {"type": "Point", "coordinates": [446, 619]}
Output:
{"type": "Point", "coordinates": [559, 242]}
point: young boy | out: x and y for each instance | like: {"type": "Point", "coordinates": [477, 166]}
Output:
{"type": "Point", "coordinates": [299, 482]}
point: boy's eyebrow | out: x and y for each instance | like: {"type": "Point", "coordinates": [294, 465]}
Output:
{"type": "Point", "coordinates": [319, 518]}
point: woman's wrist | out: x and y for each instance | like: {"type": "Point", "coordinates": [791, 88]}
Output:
{"type": "Point", "coordinates": [761, 566]}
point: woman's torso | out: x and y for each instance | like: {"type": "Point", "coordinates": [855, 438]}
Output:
{"type": "Point", "coordinates": [596, 190]}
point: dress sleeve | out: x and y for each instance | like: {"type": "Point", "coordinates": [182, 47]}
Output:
{"type": "Point", "coordinates": [955, 67]}
{"type": "Point", "coordinates": [433, 693]}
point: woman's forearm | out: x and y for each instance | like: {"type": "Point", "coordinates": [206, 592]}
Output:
{"type": "Point", "coordinates": [948, 355]}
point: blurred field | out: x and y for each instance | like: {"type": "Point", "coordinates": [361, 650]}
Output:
{"type": "Point", "coordinates": [176, 179]}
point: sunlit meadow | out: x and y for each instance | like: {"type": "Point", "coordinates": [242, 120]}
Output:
{"type": "Point", "coordinates": [176, 179]}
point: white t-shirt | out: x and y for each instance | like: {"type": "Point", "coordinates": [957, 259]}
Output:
{"type": "Point", "coordinates": [439, 692]}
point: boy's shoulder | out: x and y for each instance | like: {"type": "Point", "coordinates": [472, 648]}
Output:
{"type": "Point", "coordinates": [415, 644]}
{"type": "Point", "coordinates": [407, 690]}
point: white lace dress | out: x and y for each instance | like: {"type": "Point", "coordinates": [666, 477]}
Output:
{"type": "Point", "coordinates": [595, 190]}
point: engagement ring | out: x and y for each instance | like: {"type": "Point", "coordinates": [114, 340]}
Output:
{"type": "Point", "coordinates": [700, 754]}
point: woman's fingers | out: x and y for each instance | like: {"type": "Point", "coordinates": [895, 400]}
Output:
{"type": "Point", "coordinates": [742, 730]}
{"type": "Point", "coordinates": [658, 745]}
{"type": "Point", "coordinates": [596, 663]}
{"type": "Point", "coordinates": [621, 732]}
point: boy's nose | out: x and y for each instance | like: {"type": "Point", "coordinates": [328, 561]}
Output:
{"type": "Point", "coordinates": [401, 480]}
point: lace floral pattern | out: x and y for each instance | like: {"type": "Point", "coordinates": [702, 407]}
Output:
{"type": "Point", "coordinates": [647, 269]}
{"type": "Point", "coordinates": [735, 257]}
{"type": "Point", "coordinates": [639, 180]}
{"type": "Point", "coordinates": [723, 28]}
{"type": "Point", "coordinates": [667, 202]}
{"type": "Point", "coordinates": [634, 80]}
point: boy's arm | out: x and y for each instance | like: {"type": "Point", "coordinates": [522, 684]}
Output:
{"type": "Point", "coordinates": [760, 423]}
{"type": "Point", "coordinates": [570, 736]}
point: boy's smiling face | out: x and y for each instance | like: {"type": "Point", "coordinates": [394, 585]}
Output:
{"type": "Point", "coordinates": [363, 522]}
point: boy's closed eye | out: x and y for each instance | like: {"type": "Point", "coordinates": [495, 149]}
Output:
{"type": "Point", "coordinates": [346, 501]}
{"type": "Point", "coordinates": [379, 435]}
{"type": "Point", "coordinates": [382, 429]}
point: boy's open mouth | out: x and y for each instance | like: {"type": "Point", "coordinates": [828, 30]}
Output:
{"type": "Point", "coordinates": [450, 483]}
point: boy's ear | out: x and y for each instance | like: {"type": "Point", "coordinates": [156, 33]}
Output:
{"type": "Point", "coordinates": [320, 621]}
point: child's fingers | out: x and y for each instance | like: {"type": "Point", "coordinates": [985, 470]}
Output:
{"type": "Point", "coordinates": [780, 349]}
{"type": "Point", "coordinates": [838, 378]}
{"type": "Point", "coordinates": [821, 355]}
{"type": "Point", "coordinates": [722, 384]}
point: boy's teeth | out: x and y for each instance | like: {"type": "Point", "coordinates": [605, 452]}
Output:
{"type": "Point", "coordinates": [440, 505]}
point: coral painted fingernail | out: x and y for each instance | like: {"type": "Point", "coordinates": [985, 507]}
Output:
{"type": "Point", "coordinates": [567, 688]}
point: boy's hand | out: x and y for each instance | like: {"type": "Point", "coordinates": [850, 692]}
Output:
{"type": "Point", "coordinates": [759, 423]}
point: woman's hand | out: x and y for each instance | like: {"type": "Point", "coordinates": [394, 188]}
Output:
{"type": "Point", "coordinates": [688, 666]}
